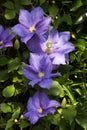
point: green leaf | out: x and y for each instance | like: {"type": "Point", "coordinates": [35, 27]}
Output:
{"type": "Point", "coordinates": [81, 44]}
{"type": "Point", "coordinates": [16, 113]}
{"type": "Point", "coordinates": [13, 65]}
{"type": "Point", "coordinates": [5, 108]}
{"type": "Point", "coordinates": [9, 14]}
{"type": "Point", "coordinates": [82, 121]}
{"type": "Point", "coordinates": [56, 89]}
{"type": "Point", "coordinates": [23, 124]}
{"type": "Point", "coordinates": [16, 79]}
{"type": "Point", "coordinates": [9, 5]}
{"type": "Point", "coordinates": [9, 124]}
{"type": "Point", "coordinates": [3, 60]}
{"type": "Point", "coordinates": [25, 2]}
{"type": "Point", "coordinates": [53, 11]}
{"type": "Point", "coordinates": [4, 75]}
{"type": "Point", "coordinates": [42, 1]}
{"type": "Point", "coordinates": [69, 113]}
{"type": "Point", "coordinates": [9, 91]}
{"type": "Point", "coordinates": [76, 5]}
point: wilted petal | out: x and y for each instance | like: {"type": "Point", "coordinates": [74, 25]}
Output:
{"type": "Point", "coordinates": [25, 18]}
{"type": "Point", "coordinates": [37, 14]}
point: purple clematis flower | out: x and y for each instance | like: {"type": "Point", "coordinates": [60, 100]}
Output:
{"type": "Point", "coordinates": [5, 38]}
{"type": "Point", "coordinates": [39, 106]}
{"type": "Point", "coordinates": [39, 70]}
{"type": "Point", "coordinates": [56, 46]}
{"type": "Point", "coordinates": [32, 23]}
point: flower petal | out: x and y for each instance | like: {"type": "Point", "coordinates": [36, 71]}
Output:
{"type": "Point", "coordinates": [53, 103]}
{"type": "Point", "coordinates": [1, 29]}
{"type": "Point", "coordinates": [42, 26]}
{"type": "Point", "coordinates": [44, 100]}
{"type": "Point", "coordinates": [46, 83]}
{"type": "Point", "coordinates": [58, 58]}
{"type": "Point", "coordinates": [25, 18]}
{"type": "Point", "coordinates": [20, 30]}
{"type": "Point", "coordinates": [36, 100]}
{"type": "Point", "coordinates": [4, 34]}
{"type": "Point", "coordinates": [33, 82]}
{"type": "Point", "coordinates": [32, 117]}
{"type": "Point", "coordinates": [34, 44]}
{"type": "Point", "coordinates": [37, 14]}
{"type": "Point", "coordinates": [29, 73]}
{"type": "Point", "coordinates": [30, 105]}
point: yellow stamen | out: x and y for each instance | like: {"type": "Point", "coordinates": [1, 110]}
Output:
{"type": "Point", "coordinates": [49, 44]}
{"type": "Point", "coordinates": [40, 74]}
{"type": "Point", "coordinates": [40, 110]}
{"type": "Point", "coordinates": [1, 42]}
{"type": "Point", "coordinates": [32, 28]}
{"type": "Point", "coordinates": [49, 51]}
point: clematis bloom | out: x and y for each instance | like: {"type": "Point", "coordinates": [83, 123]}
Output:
{"type": "Point", "coordinates": [39, 106]}
{"type": "Point", "coordinates": [32, 23]}
{"type": "Point", "coordinates": [39, 71]}
{"type": "Point", "coordinates": [5, 38]}
{"type": "Point", "coordinates": [56, 46]}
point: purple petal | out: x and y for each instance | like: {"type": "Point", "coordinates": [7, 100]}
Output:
{"type": "Point", "coordinates": [42, 26]}
{"type": "Point", "coordinates": [58, 59]}
{"type": "Point", "coordinates": [37, 14]}
{"type": "Point", "coordinates": [32, 117]}
{"type": "Point", "coordinates": [27, 37]}
{"type": "Point", "coordinates": [8, 44]}
{"type": "Point", "coordinates": [66, 48]}
{"type": "Point", "coordinates": [35, 81]}
{"type": "Point", "coordinates": [65, 36]}
{"type": "Point", "coordinates": [34, 44]}
{"type": "Point", "coordinates": [36, 100]}
{"type": "Point", "coordinates": [20, 30]}
{"type": "Point", "coordinates": [51, 110]}
{"type": "Point", "coordinates": [56, 74]}
{"type": "Point", "coordinates": [53, 103]}
{"type": "Point", "coordinates": [25, 18]}
{"type": "Point", "coordinates": [31, 105]}
{"type": "Point", "coordinates": [29, 73]}
{"type": "Point", "coordinates": [45, 83]}
{"type": "Point", "coordinates": [44, 100]}
{"type": "Point", "coordinates": [35, 61]}
{"type": "Point", "coordinates": [1, 29]}
{"type": "Point", "coordinates": [4, 34]}
{"type": "Point", "coordinates": [54, 36]}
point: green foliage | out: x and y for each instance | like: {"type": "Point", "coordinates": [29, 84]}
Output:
{"type": "Point", "coordinates": [70, 88]}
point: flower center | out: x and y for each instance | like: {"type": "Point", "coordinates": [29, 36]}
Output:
{"type": "Point", "coordinates": [40, 74]}
{"type": "Point", "coordinates": [32, 29]}
{"type": "Point", "coordinates": [1, 42]}
{"type": "Point", "coordinates": [49, 44]}
{"type": "Point", "coordinates": [40, 110]}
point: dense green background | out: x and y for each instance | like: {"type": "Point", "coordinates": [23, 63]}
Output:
{"type": "Point", "coordinates": [70, 89]}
